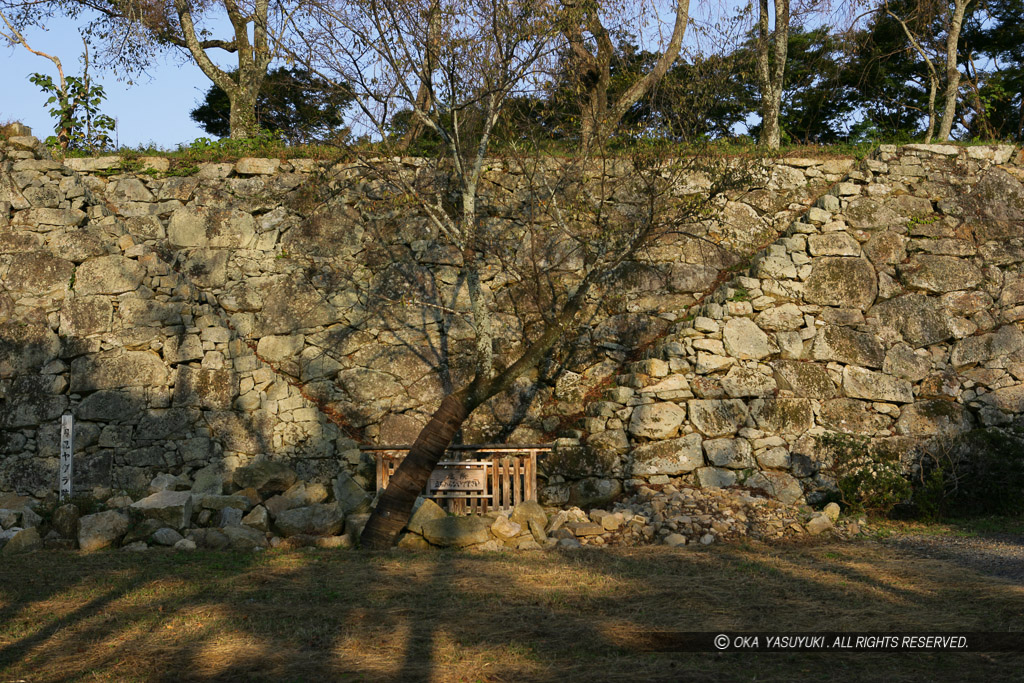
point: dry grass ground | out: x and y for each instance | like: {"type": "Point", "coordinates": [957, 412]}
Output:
{"type": "Point", "coordinates": [343, 615]}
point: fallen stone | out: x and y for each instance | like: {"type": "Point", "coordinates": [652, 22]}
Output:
{"type": "Point", "coordinates": [166, 536]}
{"type": "Point", "coordinates": [352, 498]}
{"type": "Point", "coordinates": [211, 539]}
{"type": "Point", "coordinates": [818, 525]}
{"type": "Point", "coordinates": [527, 513]}
{"type": "Point", "coordinates": [242, 537]}
{"type": "Point", "coordinates": [457, 532]}
{"type": "Point", "coordinates": [423, 511]}
{"type": "Point", "coordinates": [266, 476]}
{"type": "Point", "coordinates": [65, 520]}
{"type": "Point", "coordinates": [313, 520]}
{"type": "Point", "coordinates": [229, 517]}
{"type": "Point", "coordinates": [23, 541]}
{"type": "Point", "coordinates": [585, 529]}
{"type": "Point", "coordinates": [354, 525]}
{"type": "Point", "coordinates": [333, 542]}
{"type": "Point", "coordinates": [504, 529]}
{"type": "Point", "coordinates": [675, 540]}
{"type": "Point", "coordinates": [171, 507]}
{"type": "Point", "coordinates": [101, 530]}
{"type": "Point", "coordinates": [832, 511]}
{"type": "Point", "coordinates": [258, 518]}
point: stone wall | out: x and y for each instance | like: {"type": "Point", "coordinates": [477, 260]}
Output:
{"type": "Point", "coordinates": [891, 310]}
{"type": "Point", "coordinates": [189, 320]}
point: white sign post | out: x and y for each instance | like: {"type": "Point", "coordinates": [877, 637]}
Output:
{"type": "Point", "coordinates": [67, 447]}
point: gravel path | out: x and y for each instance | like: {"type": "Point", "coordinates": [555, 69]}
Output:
{"type": "Point", "coordinates": [999, 555]}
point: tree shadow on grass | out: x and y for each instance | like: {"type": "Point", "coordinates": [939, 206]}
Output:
{"type": "Point", "coordinates": [581, 615]}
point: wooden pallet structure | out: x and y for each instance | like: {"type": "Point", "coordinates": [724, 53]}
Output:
{"type": "Point", "coordinates": [472, 478]}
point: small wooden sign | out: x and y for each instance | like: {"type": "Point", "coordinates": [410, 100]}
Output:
{"type": "Point", "coordinates": [67, 447]}
{"type": "Point", "coordinates": [457, 478]}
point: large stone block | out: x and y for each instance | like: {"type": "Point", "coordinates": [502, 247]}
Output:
{"type": "Point", "coordinates": [715, 477]}
{"type": "Point", "coordinates": [998, 201]}
{"type": "Point", "coordinates": [251, 433]}
{"type": "Point", "coordinates": [594, 492]}
{"type": "Point", "coordinates": [741, 382]}
{"type": "Point", "coordinates": [208, 227]}
{"type": "Point", "coordinates": [275, 348]}
{"type": "Point", "coordinates": [423, 511]}
{"type": "Point", "coordinates": [1007, 399]}
{"type": "Point", "coordinates": [841, 281]}
{"type": "Point", "coordinates": [30, 401]}
{"type": "Point", "coordinates": [350, 496]}
{"type": "Point", "coordinates": [867, 214]}
{"type": "Point", "coordinates": [920, 319]}
{"type": "Point", "coordinates": [12, 242]}
{"type": "Point", "coordinates": [833, 244]}
{"type": "Point", "coordinates": [845, 345]}
{"type": "Point", "coordinates": [875, 386]}
{"type": "Point", "coordinates": [973, 350]}
{"type": "Point", "coordinates": [147, 312]}
{"type": "Point", "coordinates": [108, 275]}
{"type": "Point", "coordinates": [26, 348]}
{"type": "Point", "coordinates": [670, 457]}
{"type": "Point", "coordinates": [778, 485]}
{"type": "Point", "coordinates": [718, 417]}
{"type": "Point", "coordinates": [743, 339]}
{"type": "Point", "coordinates": [182, 349]}
{"type": "Point", "coordinates": [207, 268]}
{"type": "Point", "coordinates": [656, 420]}
{"type": "Point", "coordinates": [40, 274]}
{"type": "Point", "coordinates": [48, 218]}
{"type": "Point", "coordinates": [213, 389]}
{"type": "Point", "coordinates": [940, 274]}
{"type": "Point", "coordinates": [901, 361]}
{"type": "Point", "coordinates": [116, 369]}
{"type": "Point", "coordinates": [934, 418]}
{"type": "Point", "coordinates": [290, 304]}
{"type": "Point", "coordinates": [82, 316]}
{"type": "Point", "coordinates": [787, 317]}
{"type": "Point", "coordinates": [783, 415]}
{"type": "Point", "coordinates": [886, 248]}
{"type": "Point", "coordinates": [110, 406]}
{"type": "Point", "coordinates": [805, 380]}
{"type": "Point", "coordinates": [173, 423]}
{"type": "Point", "coordinates": [734, 454]}
{"type": "Point", "coordinates": [851, 416]}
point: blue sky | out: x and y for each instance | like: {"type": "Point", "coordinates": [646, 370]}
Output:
{"type": "Point", "coordinates": [155, 109]}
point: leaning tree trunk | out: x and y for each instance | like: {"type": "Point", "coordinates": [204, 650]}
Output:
{"type": "Point", "coordinates": [395, 505]}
